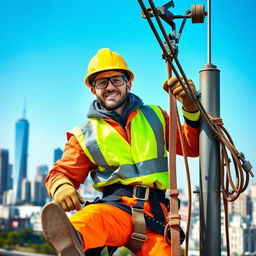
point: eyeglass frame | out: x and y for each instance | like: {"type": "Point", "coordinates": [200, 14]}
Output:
{"type": "Point", "coordinates": [109, 79]}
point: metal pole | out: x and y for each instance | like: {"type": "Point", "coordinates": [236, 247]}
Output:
{"type": "Point", "coordinates": [210, 213]}
{"type": "Point", "coordinates": [210, 233]}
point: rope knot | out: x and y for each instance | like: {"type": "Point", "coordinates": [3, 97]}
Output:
{"type": "Point", "coordinates": [173, 220]}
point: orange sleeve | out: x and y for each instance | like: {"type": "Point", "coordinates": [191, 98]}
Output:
{"type": "Point", "coordinates": [72, 168]}
{"type": "Point", "coordinates": [191, 138]}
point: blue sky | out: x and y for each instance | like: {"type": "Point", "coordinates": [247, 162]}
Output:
{"type": "Point", "coordinates": [45, 47]}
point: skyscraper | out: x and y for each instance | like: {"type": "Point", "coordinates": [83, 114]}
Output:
{"type": "Point", "coordinates": [57, 154]}
{"type": "Point", "coordinates": [21, 155]}
{"type": "Point", "coordinates": [4, 170]}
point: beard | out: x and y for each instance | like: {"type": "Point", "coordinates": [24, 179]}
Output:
{"type": "Point", "coordinates": [113, 105]}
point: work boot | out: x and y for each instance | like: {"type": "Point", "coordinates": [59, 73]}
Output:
{"type": "Point", "coordinates": [59, 232]}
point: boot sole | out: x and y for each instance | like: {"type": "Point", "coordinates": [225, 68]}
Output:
{"type": "Point", "coordinates": [58, 231]}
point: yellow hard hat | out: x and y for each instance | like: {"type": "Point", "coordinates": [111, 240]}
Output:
{"type": "Point", "coordinates": [106, 60]}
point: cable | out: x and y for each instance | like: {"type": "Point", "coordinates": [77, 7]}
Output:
{"type": "Point", "coordinates": [230, 189]}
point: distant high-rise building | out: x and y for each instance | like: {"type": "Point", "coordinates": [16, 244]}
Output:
{"type": "Point", "coordinates": [38, 189]}
{"type": "Point", "coordinates": [253, 199]}
{"type": "Point", "coordinates": [35, 191]}
{"type": "Point", "coordinates": [242, 236]}
{"type": "Point", "coordinates": [9, 178]}
{"type": "Point", "coordinates": [253, 191]}
{"type": "Point", "coordinates": [8, 197]}
{"type": "Point", "coordinates": [57, 154]}
{"type": "Point", "coordinates": [25, 191]}
{"type": "Point", "coordinates": [4, 170]}
{"type": "Point", "coordinates": [21, 155]}
{"type": "Point", "coordinates": [41, 173]}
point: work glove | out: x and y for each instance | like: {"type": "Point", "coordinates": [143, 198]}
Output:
{"type": "Point", "coordinates": [69, 199]}
{"type": "Point", "coordinates": [180, 94]}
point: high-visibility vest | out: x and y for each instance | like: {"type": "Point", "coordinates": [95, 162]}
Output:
{"type": "Point", "coordinates": [142, 161]}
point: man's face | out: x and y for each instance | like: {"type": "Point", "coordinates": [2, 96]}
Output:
{"type": "Point", "coordinates": [112, 97]}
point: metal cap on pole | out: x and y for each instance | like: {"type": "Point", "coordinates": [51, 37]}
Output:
{"type": "Point", "coordinates": [210, 218]}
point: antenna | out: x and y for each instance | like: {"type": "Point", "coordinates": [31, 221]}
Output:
{"type": "Point", "coordinates": [209, 44]}
{"type": "Point", "coordinates": [24, 110]}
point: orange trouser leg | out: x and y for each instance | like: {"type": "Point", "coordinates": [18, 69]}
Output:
{"type": "Point", "coordinates": [155, 245]}
{"type": "Point", "coordinates": [102, 224]}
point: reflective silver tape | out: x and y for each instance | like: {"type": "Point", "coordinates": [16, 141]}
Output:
{"type": "Point", "coordinates": [92, 145]}
{"type": "Point", "coordinates": [157, 127]}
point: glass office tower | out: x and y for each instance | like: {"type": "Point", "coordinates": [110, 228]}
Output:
{"type": "Point", "coordinates": [21, 156]}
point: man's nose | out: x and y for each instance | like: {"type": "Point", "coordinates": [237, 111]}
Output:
{"type": "Point", "coordinates": [110, 85]}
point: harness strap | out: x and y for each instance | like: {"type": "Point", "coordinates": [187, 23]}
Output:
{"type": "Point", "coordinates": [138, 236]}
{"type": "Point", "coordinates": [173, 225]}
{"type": "Point", "coordinates": [153, 224]}
{"type": "Point", "coordinates": [112, 196]}
{"type": "Point", "coordinates": [141, 220]}
{"type": "Point", "coordinates": [142, 194]}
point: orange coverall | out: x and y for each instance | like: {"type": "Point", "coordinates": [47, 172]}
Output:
{"type": "Point", "coordinates": [101, 224]}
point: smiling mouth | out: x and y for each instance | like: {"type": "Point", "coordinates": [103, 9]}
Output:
{"type": "Point", "coordinates": [111, 94]}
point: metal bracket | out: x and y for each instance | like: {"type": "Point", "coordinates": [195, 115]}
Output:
{"type": "Point", "coordinates": [196, 14]}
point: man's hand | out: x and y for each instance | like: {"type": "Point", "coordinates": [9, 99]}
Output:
{"type": "Point", "coordinates": [180, 93]}
{"type": "Point", "coordinates": [68, 198]}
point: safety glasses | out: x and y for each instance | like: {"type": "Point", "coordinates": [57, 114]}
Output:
{"type": "Point", "coordinates": [102, 83]}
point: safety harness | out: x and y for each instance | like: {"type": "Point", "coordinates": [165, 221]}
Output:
{"type": "Point", "coordinates": [112, 196]}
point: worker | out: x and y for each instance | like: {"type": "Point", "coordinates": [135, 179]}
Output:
{"type": "Point", "coordinates": [123, 145]}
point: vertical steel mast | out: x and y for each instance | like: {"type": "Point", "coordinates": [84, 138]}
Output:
{"type": "Point", "coordinates": [210, 221]}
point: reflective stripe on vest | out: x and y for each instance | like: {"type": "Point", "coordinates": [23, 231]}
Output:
{"type": "Point", "coordinates": [144, 161]}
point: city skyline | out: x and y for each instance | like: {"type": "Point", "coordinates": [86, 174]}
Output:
{"type": "Point", "coordinates": [16, 187]}
{"type": "Point", "coordinates": [21, 151]}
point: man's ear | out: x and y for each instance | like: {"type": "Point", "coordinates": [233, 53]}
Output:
{"type": "Point", "coordinates": [129, 86]}
{"type": "Point", "coordinates": [93, 91]}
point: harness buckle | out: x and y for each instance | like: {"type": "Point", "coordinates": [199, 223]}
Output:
{"type": "Point", "coordinates": [139, 194]}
